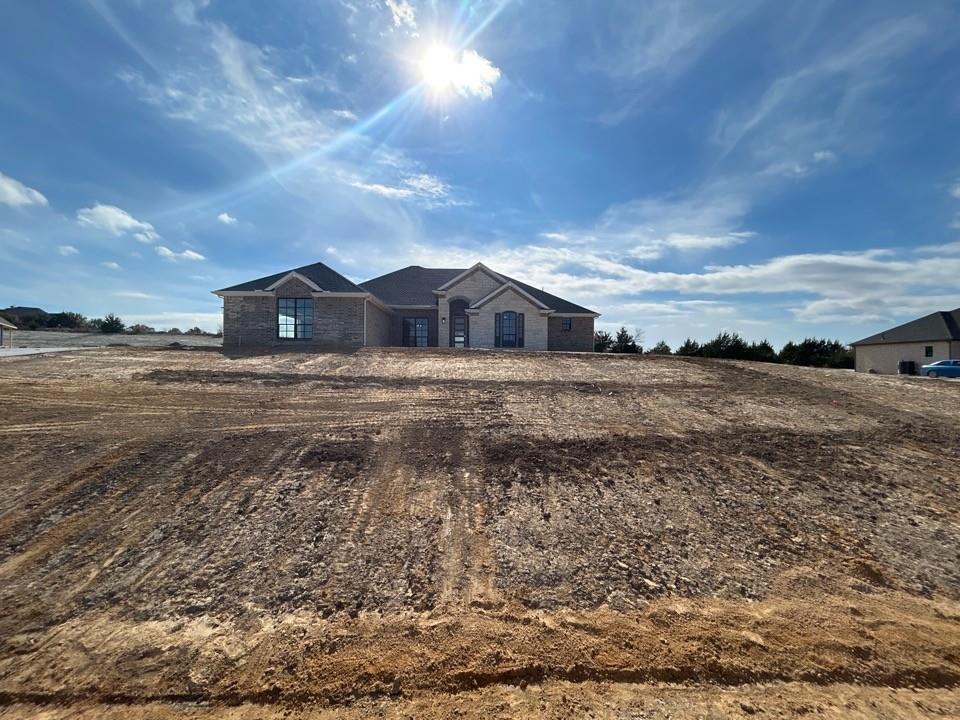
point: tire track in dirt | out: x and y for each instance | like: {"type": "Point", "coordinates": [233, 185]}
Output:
{"type": "Point", "coordinates": [467, 575]}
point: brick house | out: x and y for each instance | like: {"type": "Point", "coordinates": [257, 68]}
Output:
{"type": "Point", "coordinates": [316, 308]}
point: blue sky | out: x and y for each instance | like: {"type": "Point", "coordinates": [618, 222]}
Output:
{"type": "Point", "coordinates": [780, 169]}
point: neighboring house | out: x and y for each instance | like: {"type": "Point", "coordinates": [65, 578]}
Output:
{"type": "Point", "coordinates": [6, 332]}
{"type": "Point", "coordinates": [315, 307]}
{"type": "Point", "coordinates": [933, 337]}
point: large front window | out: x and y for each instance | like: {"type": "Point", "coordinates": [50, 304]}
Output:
{"type": "Point", "coordinates": [416, 331]}
{"type": "Point", "coordinates": [508, 329]}
{"type": "Point", "coordinates": [295, 318]}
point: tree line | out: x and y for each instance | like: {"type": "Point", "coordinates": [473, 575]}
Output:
{"type": "Point", "coordinates": [73, 321]}
{"type": "Point", "coordinates": [812, 352]}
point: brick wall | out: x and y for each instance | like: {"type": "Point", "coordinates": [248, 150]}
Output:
{"type": "Point", "coordinates": [482, 330]}
{"type": "Point", "coordinates": [578, 339]}
{"type": "Point", "coordinates": [396, 329]}
{"type": "Point", "coordinates": [475, 286]}
{"type": "Point", "coordinates": [250, 322]}
{"type": "Point", "coordinates": [379, 325]}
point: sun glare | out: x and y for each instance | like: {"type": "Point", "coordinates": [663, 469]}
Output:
{"type": "Point", "coordinates": [465, 72]}
{"type": "Point", "coordinates": [439, 68]}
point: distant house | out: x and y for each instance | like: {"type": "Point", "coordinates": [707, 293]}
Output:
{"type": "Point", "coordinates": [315, 308]}
{"type": "Point", "coordinates": [933, 337]}
{"type": "Point", "coordinates": [6, 331]}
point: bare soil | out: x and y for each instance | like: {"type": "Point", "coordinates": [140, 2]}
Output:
{"type": "Point", "coordinates": [481, 534]}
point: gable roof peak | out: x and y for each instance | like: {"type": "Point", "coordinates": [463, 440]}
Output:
{"type": "Point", "coordinates": [478, 266]}
{"type": "Point", "coordinates": [318, 274]}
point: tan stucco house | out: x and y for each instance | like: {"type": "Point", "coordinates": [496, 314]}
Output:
{"type": "Point", "coordinates": [316, 308]}
{"type": "Point", "coordinates": [6, 332]}
{"type": "Point", "coordinates": [922, 341]}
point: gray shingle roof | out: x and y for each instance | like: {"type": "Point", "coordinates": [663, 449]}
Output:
{"type": "Point", "coordinates": [932, 327]}
{"type": "Point", "coordinates": [325, 277]}
{"type": "Point", "coordinates": [414, 285]}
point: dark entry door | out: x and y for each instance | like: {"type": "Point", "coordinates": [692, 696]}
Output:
{"type": "Point", "coordinates": [459, 324]}
{"type": "Point", "coordinates": [460, 331]}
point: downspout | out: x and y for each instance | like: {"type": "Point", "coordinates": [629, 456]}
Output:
{"type": "Point", "coordinates": [364, 322]}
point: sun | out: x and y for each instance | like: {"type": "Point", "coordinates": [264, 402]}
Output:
{"type": "Point", "coordinates": [439, 67]}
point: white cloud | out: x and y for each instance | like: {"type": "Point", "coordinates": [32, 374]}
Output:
{"type": "Point", "coordinates": [403, 13]}
{"type": "Point", "coordinates": [952, 248]}
{"type": "Point", "coordinates": [227, 219]}
{"type": "Point", "coordinates": [427, 185]}
{"type": "Point", "coordinates": [67, 250]}
{"type": "Point", "coordinates": [169, 254]}
{"type": "Point", "coordinates": [345, 115]}
{"type": "Point", "coordinates": [682, 241]}
{"type": "Point", "coordinates": [117, 222]}
{"type": "Point", "coordinates": [234, 90]}
{"type": "Point", "coordinates": [645, 229]}
{"type": "Point", "coordinates": [468, 73]}
{"type": "Point", "coordinates": [134, 295]}
{"type": "Point", "coordinates": [822, 156]}
{"type": "Point", "coordinates": [387, 191]}
{"type": "Point", "coordinates": [869, 285]}
{"type": "Point", "coordinates": [340, 256]}
{"type": "Point", "coordinates": [15, 194]}
{"type": "Point", "coordinates": [110, 265]}
{"type": "Point", "coordinates": [427, 190]}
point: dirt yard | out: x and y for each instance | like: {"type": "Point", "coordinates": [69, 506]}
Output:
{"type": "Point", "coordinates": [431, 534]}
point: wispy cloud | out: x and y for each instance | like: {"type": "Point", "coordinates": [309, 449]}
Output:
{"type": "Point", "coordinates": [134, 295]}
{"type": "Point", "coordinates": [426, 190]}
{"type": "Point", "coordinates": [236, 88]}
{"type": "Point", "coordinates": [15, 194]}
{"type": "Point", "coordinates": [403, 13]}
{"type": "Point", "coordinates": [117, 222]}
{"type": "Point", "coordinates": [819, 99]}
{"type": "Point", "coordinates": [110, 265]}
{"type": "Point", "coordinates": [168, 254]}
{"type": "Point", "coordinates": [340, 256]}
{"type": "Point", "coordinates": [648, 45]}
{"type": "Point", "coordinates": [226, 219]}
{"type": "Point", "coordinates": [67, 250]}
{"type": "Point", "coordinates": [869, 285]}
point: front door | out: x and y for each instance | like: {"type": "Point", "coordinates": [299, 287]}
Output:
{"type": "Point", "coordinates": [460, 331]}
{"type": "Point", "coordinates": [459, 324]}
